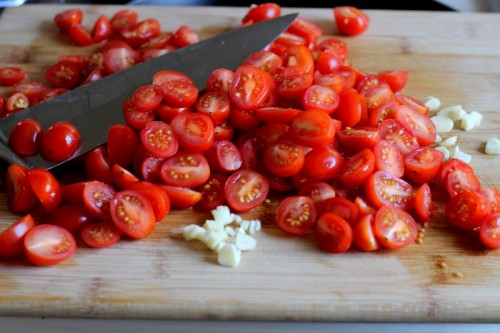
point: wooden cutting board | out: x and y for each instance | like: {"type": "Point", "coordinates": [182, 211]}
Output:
{"type": "Point", "coordinates": [455, 57]}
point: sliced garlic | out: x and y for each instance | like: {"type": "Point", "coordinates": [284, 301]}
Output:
{"type": "Point", "coordinates": [454, 112]}
{"type": "Point", "coordinates": [245, 242]}
{"type": "Point", "coordinates": [451, 141]}
{"type": "Point", "coordinates": [445, 152]}
{"type": "Point", "coordinates": [229, 255]}
{"type": "Point", "coordinates": [462, 156]}
{"type": "Point", "coordinates": [492, 146]}
{"type": "Point", "coordinates": [443, 124]}
{"type": "Point", "coordinates": [433, 103]}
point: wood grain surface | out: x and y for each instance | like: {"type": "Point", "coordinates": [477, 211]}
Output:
{"type": "Point", "coordinates": [455, 57]}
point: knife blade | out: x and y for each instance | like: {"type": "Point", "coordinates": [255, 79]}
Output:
{"type": "Point", "coordinates": [93, 108]}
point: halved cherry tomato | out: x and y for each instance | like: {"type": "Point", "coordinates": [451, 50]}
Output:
{"type": "Point", "coordinates": [10, 76]}
{"type": "Point", "coordinates": [72, 217]}
{"type": "Point", "coordinates": [493, 196]}
{"type": "Point", "coordinates": [119, 58]}
{"type": "Point", "coordinates": [147, 98]}
{"type": "Point", "coordinates": [150, 169]}
{"type": "Point", "coordinates": [179, 93]}
{"type": "Point", "coordinates": [262, 12]}
{"type": "Point", "coordinates": [462, 180]}
{"type": "Point", "coordinates": [73, 193]}
{"type": "Point", "coordinates": [184, 36]}
{"type": "Point", "coordinates": [424, 206]}
{"type": "Point", "coordinates": [96, 197]}
{"type": "Point", "coordinates": [243, 120]}
{"type": "Point", "coordinates": [121, 145]}
{"type": "Point", "coordinates": [159, 139]}
{"type": "Point", "coordinates": [312, 128]}
{"type": "Point", "coordinates": [194, 131]}
{"type": "Point", "coordinates": [220, 79]}
{"type": "Point", "coordinates": [213, 191]}
{"type": "Point", "coordinates": [328, 61]}
{"type": "Point", "coordinates": [157, 197]}
{"type": "Point", "coordinates": [101, 234]}
{"type": "Point", "coordinates": [48, 94]}
{"type": "Point", "coordinates": [320, 97]}
{"type": "Point", "coordinates": [396, 79]}
{"type": "Point", "coordinates": [318, 191]}
{"type": "Point", "coordinates": [80, 35]}
{"type": "Point", "coordinates": [357, 138]}
{"type": "Point", "coordinates": [46, 188]}
{"type": "Point", "coordinates": [185, 170]}
{"type": "Point", "coordinates": [363, 233]}
{"type": "Point", "coordinates": [350, 109]}
{"type": "Point", "coordinates": [16, 102]}
{"type": "Point", "coordinates": [382, 112]}
{"type": "Point", "coordinates": [332, 233]}
{"type": "Point", "coordinates": [394, 132]}
{"type": "Point", "coordinates": [276, 114]}
{"type": "Point", "coordinates": [394, 227]}
{"type": "Point", "coordinates": [323, 163]}
{"type": "Point", "coordinates": [123, 20]}
{"type": "Point", "coordinates": [467, 210]}
{"type": "Point", "coordinates": [342, 207]}
{"type": "Point", "coordinates": [135, 118]}
{"type": "Point", "coordinates": [101, 30]}
{"type": "Point", "coordinates": [48, 244]}
{"type": "Point", "coordinates": [223, 156]}
{"type": "Point", "coordinates": [59, 142]}
{"type": "Point", "coordinates": [451, 165]}
{"type": "Point", "coordinates": [20, 195]}
{"type": "Point", "coordinates": [382, 189]}
{"type": "Point", "coordinates": [389, 158]}
{"type": "Point", "coordinates": [417, 124]}
{"type": "Point", "coordinates": [68, 18]}
{"type": "Point", "coordinates": [489, 231]}
{"type": "Point", "coordinates": [12, 238]}
{"type": "Point", "coordinates": [142, 32]}
{"type": "Point", "coordinates": [283, 158]}
{"type": "Point", "coordinates": [215, 104]}
{"type": "Point", "coordinates": [423, 164]}
{"type": "Point", "coordinates": [182, 197]}
{"type": "Point", "coordinates": [265, 60]}
{"type": "Point", "coordinates": [246, 189]}
{"type": "Point", "coordinates": [413, 103]}
{"type": "Point", "coordinates": [30, 89]}
{"type": "Point", "coordinates": [25, 137]}
{"type": "Point", "coordinates": [122, 178]}
{"type": "Point", "coordinates": [250, 87]}
{"type": "Point", "coordinates": [350, 20]}
{"type": "Point", "coordinates": [97, 166]}
{"type": "Point", "coordinates": [296, 214]}
{"type": "Point", "coordinates": [358, 168]}
{"type": "Point", "coordinates": [132, 214]}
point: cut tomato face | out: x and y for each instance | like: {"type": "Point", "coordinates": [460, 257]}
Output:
{"type": "Point", "coordinates": [332, 233]}
{"type": "Point", "coordinates": [265, 60]}
{"type": "Point", "coordinates": [382, 189]}
{"type": "Point", "coordinates": [422, 164]}
{"type": "Point", "coordinates": [12, 238]}
{"type": "Point", "coordinates": [158, 138]}
{"type": "Point", "coordinates": [224, 156]}
{"type": "Point", "coordinates": [424, 206]}
{"type": "Point", "coordinates": [389, 158]}
{"type": "Point", "coordinates": [194, 131]}
{"type": "Point", "coordinates": [396, 79]}
{"type": "Point", "coordinates": [283, 159]}
{"type": "Point", "coordinates": [323, 163]}
{"type": "Point", "coordinates": [157, 197]}
{"type": "Point", "coordinates": [249, 88]}
{"type": "Point", "coordinates": [96, 197]}
{"type": "Point", "coordinates": [132, 213]}
{"type": "Point", "coordinates": [135, 118]}
{"type": "Point", "coordinates": [350, 20]}
{"type": "Point", "coordinates": [10, 76]}
{"type": "Point", "coordinates": [119, 58]}
{"type": "Point", "coordinates": [185, 170]}
{"type": "Point", "coordinates": [184, 36]}
{"type": "Point", "coordinates": [419, 125]}
{"type": "Point", "coordinates": [320, 97]}
{"type": "Point", "coordinates": [48, 244]}
{"type": "Point", "coordinates": [216, 105]}
{"type": "Point", "coordinates": [147, 98]}
{"type": "Point", "coordinates": [318, 191]}
{"type": "Point", "coordinates": [182, 197]}
{"type": "Point", "coordinates": [358, 168]}
{"type": "Point", "coordinates": [101, 234]}
{"type": "Point", "coordinates": [213, 191]}
{"type": "Point", "coordinates": [123, 20]}
{"type": "Point", "coordinates": [179, 93]}
{"type": "Point", "coordinates": [312, 128]}
{"type": "Point", "coordinates": [394, 132]}
{"type": "Point", "coordinates": [358, 138]}
{"type": "Point", "coordinates": [296, 215]}
{"type": "Point", "coordinates": [394, 228]}
{"type": "Point", "coordinates": [489, 231]}
{"type": "Point", "coordinates": [364, 235]}
{"type": "Point", "coordinates": [68, 18]}
{"type": "Point", "coordinates": [245, 189]}
{"type": "Point", "coordinates": [220, 79]}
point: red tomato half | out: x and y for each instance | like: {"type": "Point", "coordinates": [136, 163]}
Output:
{"type": "Point", "coordinates": [350, 20]}
{"type": "Point", "coordinates": [296, 214]}
{"type": "Point", "coordinates": [283, 159]}
{"type": "Point", "coordinates": [46, 188]}
{"type": "Point", "coordinates": [194, 131]}
{"type": "Point", "coordinates": [382, 189]}
{"type": "Point", "coordinates": [68, 18]}
{"type": "Point", "coordinates": [48, 244]}
{"type": "Point", "coordinates": [250, 87]}
{"type": "Point", "coordinates": [489, 231]}
{"type": "Point", "coordinates": [185, 170]}
{"type": "Point", "coordinates": [72, 217]}
{"type": "Point", "coordinates": [59, 142]}
{"type": "Point", "coordinates": [333, 234]}
{"type": "Point", "coordinates": [159, 139]}
{"type": "Point", "coordinates": [422, 164]}
{"type": "Point", "coordinates": [10, 76]}
{"type": "Point", "coordinates": [101, 234]}
{"type": "Point", "coordinates": [467, 210]}
{"type": "Point", "coordinates": [12, 238]}
{"type": "Point", "coordinates": [25, 137]}
{"type": "Point", "coordinates": [417, 124]}
{"type": "Point", "coordinates": [132, 214]}
{"type": "Point", "coordinates": [394, 227]}
{"type": "Point", "coordinates": [245, 189]}
{"type": "Point", "coordinates": [312, 128]}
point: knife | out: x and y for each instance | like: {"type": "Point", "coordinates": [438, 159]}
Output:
{"type": "Point", "coordinates": [93, 108]}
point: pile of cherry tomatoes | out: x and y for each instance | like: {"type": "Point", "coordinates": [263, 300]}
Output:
{"type": "Point", "coordinates": [349, 154]}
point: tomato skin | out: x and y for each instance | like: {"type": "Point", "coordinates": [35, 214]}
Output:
{"type": "Point", "coordinates": [493, 196]}
{"type": "Point", "coordinates": [119, 58]}
{"type": "Point", "coordinates": [350, 107]}
{"type": "Point", "coordinates": [101, 30]}
{"type": "Point", "coordinates": [318, 191]}
{"type": "Point", "coordinates": [277, 114]}
{"type": "Point", "coordinates": [121, 145]}
{"type": "Point", "coordinates": [382, 189]}
{"type": "Point", "coordinates": [350, 20]}
{"type": "Point", "coordinates": [417, 124]}
{"type": "Point", "coordinates": [467, 210]}
{"type": "Point", "coordinates": [122, 178]}
{"type": "Point", "coordinates": [358, 138]}
{"type": "Point", "coordinates": [46, 187]}
{"type": "Point", "coordinates": [59, 142]}
{"type": "Point", "coordinates": [10, 76]}
{"type": "Point", "coordinates": [342, 207]}
{"type": "Point", "coordinates": [101, 234]}
{"type": "Point", "coordinates": [12, 238]}
{"type": "Point", "coordinates": [25, 137]}
{"type": "Point", "coordinates": [333, 234]}
{"type": "Point", "coordinates": [79, 35]}
{"type": "Point", "coordinates": [265, 60]}
{"type": "Point", "coordinates": [462, 180]}
{"type": "Point", "coordinates": [396, 79]}
{"type": "Point", "coordinates": [141, 32]}
{"type": "Point", "coordinates": [450, 166]}
{"type": "Point", "coordinates": [67, 18]}
{"type": "Point", "coordinates": [97, 166]}
{"type": "Point", "coordinates": [72, 217]}
{"type": "Point", "coordinates": [423, 164]}
{"type": "Point", "coordinates": [323, 163]}
{"type": "Point", "coordinates": [412, 103]}
{"type": "Point", "coordinates": [394, 132]}
{"type": "Point", "coordinates": [132, 214]}
{"type": "Point", "coordinates": [156, 195]}
{"type": "Point", "coordinates": [246, 189]}
{"type": "Point", "coordinates": [182, 197]}
{"type": "Point", "coordinates": [20, 195]}
{"type": "Point", "coordinates": [283, 158]}
{"type": "Point", "coordinates": [249, 88]}
{"type": "Point", "coordinates": [363, 234]}
{"type": "Point", "coordinates": [296, 215]}
{"type": "Point", "coordinates": [123, 20]}
{"type": "Point", "coordinates": [389, 158]}
{"type": "Point", "coordinates": [488, 231]}
{"type": "Point", "coordinates": [394, 227]}
{"type": "Point", "coordinates": [47, 244]}
{"type": "Point", "coordinates": [16, 102]}
{"type": "Point", "coordinates": [262, 12]}
{"type": "Point", "coordinates": [184, 36]}
{"type": "Point", "coordinates": [358, 168]}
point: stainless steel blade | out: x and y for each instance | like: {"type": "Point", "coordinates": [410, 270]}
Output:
{"type": "Point", "coordinates": [93, 108]}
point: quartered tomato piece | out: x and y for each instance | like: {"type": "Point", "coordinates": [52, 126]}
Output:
{"type": "Point", "coordinates": [80, 35]}
{"type": "Point", "coordinates": [97, 166]}
{"type": "Point", "coordinates": [12, 237]}
{"type": "Point", "coordinates": [296, 214]}
{"type": "Point", "coordinates": [48, 244]}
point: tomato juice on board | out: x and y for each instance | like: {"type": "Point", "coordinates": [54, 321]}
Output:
{"type": "Point", "coordinates": [349, 157]}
